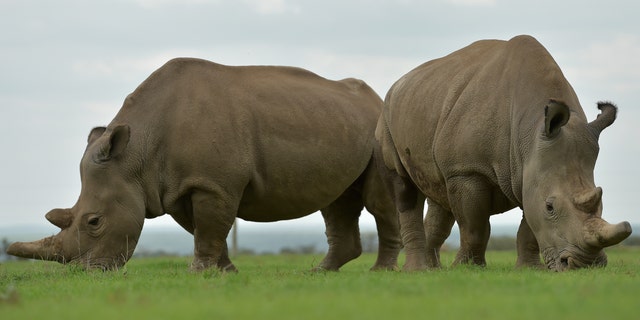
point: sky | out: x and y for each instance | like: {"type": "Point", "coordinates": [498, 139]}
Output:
{"type": "Point", "coordinates": [66, 66]}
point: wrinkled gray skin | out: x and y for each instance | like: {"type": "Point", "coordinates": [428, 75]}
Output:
{"type": "Point", "coordinates": [207, 143]}
{"type": "Point", "coordinates": [485, 129]}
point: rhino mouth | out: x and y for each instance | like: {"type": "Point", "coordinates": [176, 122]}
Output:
{"type": "Point", "coordinates": [89, 260]}
{"type": "Point", "coordinates": [104, 264]}
{"type": "Point", "coordinates": [572, 258]}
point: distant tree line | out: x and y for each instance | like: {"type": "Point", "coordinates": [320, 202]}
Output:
{"type": "Point", "coordinates": [369, 245]}
{"type": "Point", "coordinates": [631, 241]}
{"type": "Point", "coordinates": [506, 243]}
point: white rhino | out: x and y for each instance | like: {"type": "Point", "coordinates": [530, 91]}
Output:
{"type": "Point", "coordinates": [485, 129]}
{"type": "Point", "coordinates": [207, 143]}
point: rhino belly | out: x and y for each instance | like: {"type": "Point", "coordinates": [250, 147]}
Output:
{"type": "Point", "coordinates": [298, 185]}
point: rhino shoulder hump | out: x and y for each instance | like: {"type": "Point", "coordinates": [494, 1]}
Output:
{"type": "Point", "coordinates": [356, 84]}
{"type": "Point", "coordinates": [524, 38]}
{"type": "Point", "coordinates": [182, 63]}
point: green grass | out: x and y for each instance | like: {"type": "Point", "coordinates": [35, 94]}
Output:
{"type": "Point", "coordinates": [280, 286]}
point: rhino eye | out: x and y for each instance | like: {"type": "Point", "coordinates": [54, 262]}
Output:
{"type": "Point", "coordinates": [549, 205]}
{"type": "Point", "coordinates": [95, 221]}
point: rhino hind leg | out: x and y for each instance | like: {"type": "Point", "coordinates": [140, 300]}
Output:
{"type": "Point", "coordinates": [411, 227]}
{"type": "Point", "coordinates": [389, 243]}
{"type": "Point", "coordinates": [409, 207]}
{"type": "Point", "coordinates": [437, 226]}
{"type": "Point", "coordinates": [407, 198]}
{"type": "Point", "coordinates": [389, 240]}
{"type": "Point", "coordinates": [342, 230]}
{"type": "Point", "coordinates": [379, 203]}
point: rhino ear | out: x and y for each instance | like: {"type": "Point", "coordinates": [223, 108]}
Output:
{"type": "Point", "coordinates": [556, 115]}
{"type": "Point", "coordinates": [114, 145]}
{"type": "Point", "coordinates": [95, 134]}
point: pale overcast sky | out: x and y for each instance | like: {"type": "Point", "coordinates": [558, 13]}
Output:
{"type": "Point", "coordinates": [66, 66]}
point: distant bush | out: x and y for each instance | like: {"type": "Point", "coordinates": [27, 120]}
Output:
{"type": "Point", "coordinates": [246, 252]}
{"type": "Point", "coordinates": [154, 253]}
{"type": "Point", "coordinates": [505, 243]}
{"type": "Point", "coordinates": [502, 243]}
{"type": "Point", "coordinates": [369, 242]}
{"type": "Point", "coordinates": [310, 249]}
{"type": "Point", "coordinates": [631, 241]}
{"type": "Point", "coordinates": [3, 250]}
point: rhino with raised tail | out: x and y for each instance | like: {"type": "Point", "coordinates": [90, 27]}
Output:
{"type": "Point", "coordinates": [485, 129]}
{"type": "Point", "coordinates": [207, 143]}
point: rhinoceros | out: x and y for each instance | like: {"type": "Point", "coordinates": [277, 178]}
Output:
{"type": "Point", "coordinates": [485, 129]}
{"type": "Point", "coordinates": [206, 143]}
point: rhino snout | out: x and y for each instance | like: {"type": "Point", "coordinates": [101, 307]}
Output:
{"type": "Point", "coordinates": [570, 261]}
{"type": "Point", "coordinates": [573, 257]}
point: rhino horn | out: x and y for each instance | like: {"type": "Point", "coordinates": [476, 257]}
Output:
{"type": "Point", "coordinates": [43, 249]}
{"type": "Point", "coordinates": [600, 234]}
{"type": "Point", "coordinates": [61, 218]}
{"type": "Point", "coordinates": [588, 201]}
{"type": "Point", "coordinates": [606, 117]}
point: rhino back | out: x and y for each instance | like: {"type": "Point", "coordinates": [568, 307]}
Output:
{"type": "Point", "coordinates": [479, 108]}
{"type": "Point", "coordinates": [284, 140]}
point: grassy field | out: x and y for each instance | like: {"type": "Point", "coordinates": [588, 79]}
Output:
{"type": "Point", "coordinates": [281, 287]}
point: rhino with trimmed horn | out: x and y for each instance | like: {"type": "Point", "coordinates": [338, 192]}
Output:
{"type": "Point", "coordinates": [485, 129]}
{"type": "Point", "coordinates": [207, 143]}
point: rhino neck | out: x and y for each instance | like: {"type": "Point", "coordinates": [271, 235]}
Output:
{"type": "Point", "coordinates": [527, 127]}
{"type": "Point", "coordinates": [516, 167]}
{"type": "Point", "coordinates": [153, 202]}
{"type": "Point", "coordinates": [527, 123]}
{"type": "Point", "coordinates": [149, 111]}
{"type": "Point", "coordinates": [151, 183]}
{"type": "Point", "coordinates": [143, 166]}
{"type": "Point", "coordinates": [523, 132]}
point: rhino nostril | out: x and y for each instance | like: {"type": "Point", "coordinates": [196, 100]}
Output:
{"type": "Point", "coordinates": [564, 263]}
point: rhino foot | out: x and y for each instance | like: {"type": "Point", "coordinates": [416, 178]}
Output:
{"type": "Point", "coordinates": [468, 256]}
{"type": "Point", "coordinates": [321, 269]}
{"type": "Point", "coordinates": [377, 267]}
{"type": "Point", "coordinates": [224, 265]}
{"type": "Point", "coordinates": [228, 268]}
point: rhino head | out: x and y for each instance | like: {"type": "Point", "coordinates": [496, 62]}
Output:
{"type": "Point", "coordinates": [102, 229]}
{"type": "Point", "coordinates": [561, 203]}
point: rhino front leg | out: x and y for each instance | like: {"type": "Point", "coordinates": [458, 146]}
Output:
{"type": "Point", "coordinates": [471, 200]}
{"type": "Point", "coordinates": [342, 230]}
{"type": "Point", "coordinates": [437, 226]}
{"type": "Point", "coordinates": [213, 216]}
{"type": "Point", "coordinates": [224, 263]}
{"type": "Point", "coordinates": [527, 246]}
{"type": "Point", "coordinates": [474, 236]}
